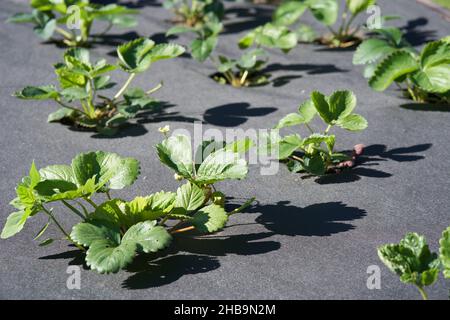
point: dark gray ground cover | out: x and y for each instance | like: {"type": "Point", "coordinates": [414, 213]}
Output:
{"type": "Point", "coordinates": [305, 239]}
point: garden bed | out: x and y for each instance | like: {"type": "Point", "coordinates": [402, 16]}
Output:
{"type": "Point", "coordinates": [304, 239]}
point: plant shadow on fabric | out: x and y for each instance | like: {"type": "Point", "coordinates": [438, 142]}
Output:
{"type": "Point", "coordinates": [322, 219]}
{"type": "Point", "coordinates": [426, 107]}
{"type": "Point", "coordinates": [152, 116]}
{"type": "Point", "coordinates": [374, 154]}
{"type": "Point", "coordinates": [190, 255]}
{"type": "Point", "coordinates": [234, 114]}
{"type": "Point", "coordinates": [415, 34]}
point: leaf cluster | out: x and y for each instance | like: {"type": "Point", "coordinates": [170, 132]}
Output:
{"type": "Point", "coordinates": [196, 13]}
{"type": "Point", "coordinates": [81, 80]}
{"type": "Point", "coordinates": [426, 76]}
{"type": "Point", "coordinates": [52, 16]}
{"type": "Point", "coordinates": [412, 260]}
{"type": "Point", "coordinates": [315, 153]}
{"type": "Point", "coordinates": [113, 232]}
{"type": "Point", "coordinates": [327, 13]}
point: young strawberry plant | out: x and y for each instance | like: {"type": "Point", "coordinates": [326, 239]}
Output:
{"type": "Point", "coordinates": [412, 260]}
{"type": "Point", "coordinates": [50, 17]}
{"type": "Point", "coordinates": [81, 80]}
{"type": "Point", "coordinates": [114, 231]}
{"type": "Point", "coordinates": [346, 34]}
{"type": "Point", "coordinates": [315, 153]}
{"type": "Point", "coordinates": [247, 70]}
{"type": "Point", "coordinates": [192, 13]}
{"type": "Point", "coordinates": [382, 43]}
{"type": "Point", "coordinates": [424, 77]}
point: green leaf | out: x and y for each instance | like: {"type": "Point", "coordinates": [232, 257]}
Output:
{"type": "Point", "coordinates": [189, 197]}
{"type": "Point", "coordinates": [136, 56]}
{"type": "Point", "coordinates": [240, 146]}
{"type": "Point", "coordinates": [201, 49]}
{"type": "Point", "coordinates": [74, 93]}
{"type": "Point", "coordinates": [307, 111]}
{"type": "Point", "coordinates": [249, 59]}
{"type": "Point", "coordinates": [166, 51]}
{"type": "Point", "coordinates": [397, 64]}
{"type": "Point", "coordinates": [323, 108]}
{"type": "Point", "coordinates": [61, 113]}
{"type": "Point", "coordinates": [372, 50]}
{"type": "Point", "coordinates": [314, 165]}
{"type": "Point", "coordinates": [221, 165]}
{"type": "Point", "coordinates": [45, 25]}
{"type": "Point", "coordinates": [352, 122]}
{"type": "Point", "coordinates": [178, 29]}
{"type": "Point", "coordinates": [46, 242]}
{"type": "Point", "coordinates": [147, 236]}
{"type": "Point", "coordinates": [21, 18]}
{"type": "Point", "coordinates": [86, 233]}
{"type": "Point", "coordinates": [411, 259]}
{"type": "Point", "coordinates": [210, 219]}
{"type": "Point", "coordinates": [289, 145]}
{"type": "Point", "coordinates": [37, 93]}
{"type": "Point", "coordinates": [289, 12]}
{"type": "Point", "coordinates": [107, 167]}
{"type": "Point", "coordinates": [176, 153]}
{"type": "Point", "coordinates": [326, 11]}
{"type": "Point", "coordinates": [341, 104]}
{"type": "Point", "coordinates": [14, 224]}
{"type": "Point", "coordinates": [292, 119]}
{"type": "Point", "coordinates": [107, 256]}
{"type": "Point", "coordinates": [358, 6]}
{"type": "Point", "coordinates": [58, 172]}
{"type": "Point", "coordinates": [444, 252]}
{"type": "Point", "coordinates": [305, 33]}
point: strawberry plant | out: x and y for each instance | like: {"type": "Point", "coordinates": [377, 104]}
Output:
{"type": "Point", "coordinates": [424, 77]}
{"type": "Point", "coordinates": [192, 13]}
{"type": "Point", "coordinates": [382, 43]}
{"type": "Point", "coordinates": [247, 70]}
{"type": "Point", "coordinates": [81, 80]}
{"type": "Point", "coordinates": [412, 260]}
{"type": "Point", "coordinates": [114, 231]}
{"type": "Point", "coordinates": [315, 153]}
{"type": "Point", "coordinates": [346, 34]}
{"type": "Point", "coordinates": [52, 16]}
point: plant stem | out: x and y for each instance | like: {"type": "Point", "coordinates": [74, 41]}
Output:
{"type": "Point", "coordinates": [75, 210]}
{"type": "Point", "coordinates": [108, 195]}
{"type": "Point", "coordinates": [328, 129]}
{"type": "Point", "coordinates": [422, 293]}
{"type": "Point", "coordinates": [244, 206]}
{"type": "Point", "coordinates": [64, 33]}
{"type": "Point", "coordinates": [244, 77]}
{"type": "Point", "coordinates": [297, 158]}
{"type": "Point", "coordinates": [125, 86]}
{"type": "Point", "coordinates": [159, 86]}
{"type": "Point", "coordinates": [183, 230]}
{"type": "Point", "coordinates": [62, 229]}
{"type": "Point", "coordinates": [92, 203]}
{"type": "Point", "coordinates": [62, 104]}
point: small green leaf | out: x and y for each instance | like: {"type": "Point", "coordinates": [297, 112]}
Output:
{"type": "Point", "coordinates": [135, 56]}
{"type": "Point", "coordinates": [176, 153]}
{"type": "Point", "coordinates": [292, 119]}
{"type": "Point", "coordinates": [240, 146]}
{"type": "Point", "coordinates": [61, 113]}
{"type": "Point", "coordinates": [358, 6]}
{"type": "Point", "coordinates": [397, 64]}
{"type": "Point", "coordinates": [289, 12]}
{"type": "Point", "coordinates": [326, 11]}
{"type": "Point", "coordinates": [372, 50]}
{"type": "Point", "coordinates": [210, 219]}
{"type": "Point", "coordinates": [323, 108]}
{"type": "Point", "coordinates": [314, 165]}
{"type": "Point", "coordinates": [166, 51]}
{"type": "Point", "coordinates": [352, 122]}
{"type": "Point", "coordinates": [221, 165]}
{"type": "Point", "coordinates": [201, 49]}
{"type": "Point", "coordinates": [189, 197]}
{"type": "Point", "coordinates": [14, 224]}
{"type": "Point", "coordinates": [37, 93]}
{"type": "Point", "coordinates": [147, 236]}
{"type": "Point", "coordinates": [46, 242]}
{"type": "Point", "coordinates": [444, 252]}
{"type": "Point", "coordinates": [289, 145]}
{"type": "Point", "coordinates": [305, 33]}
